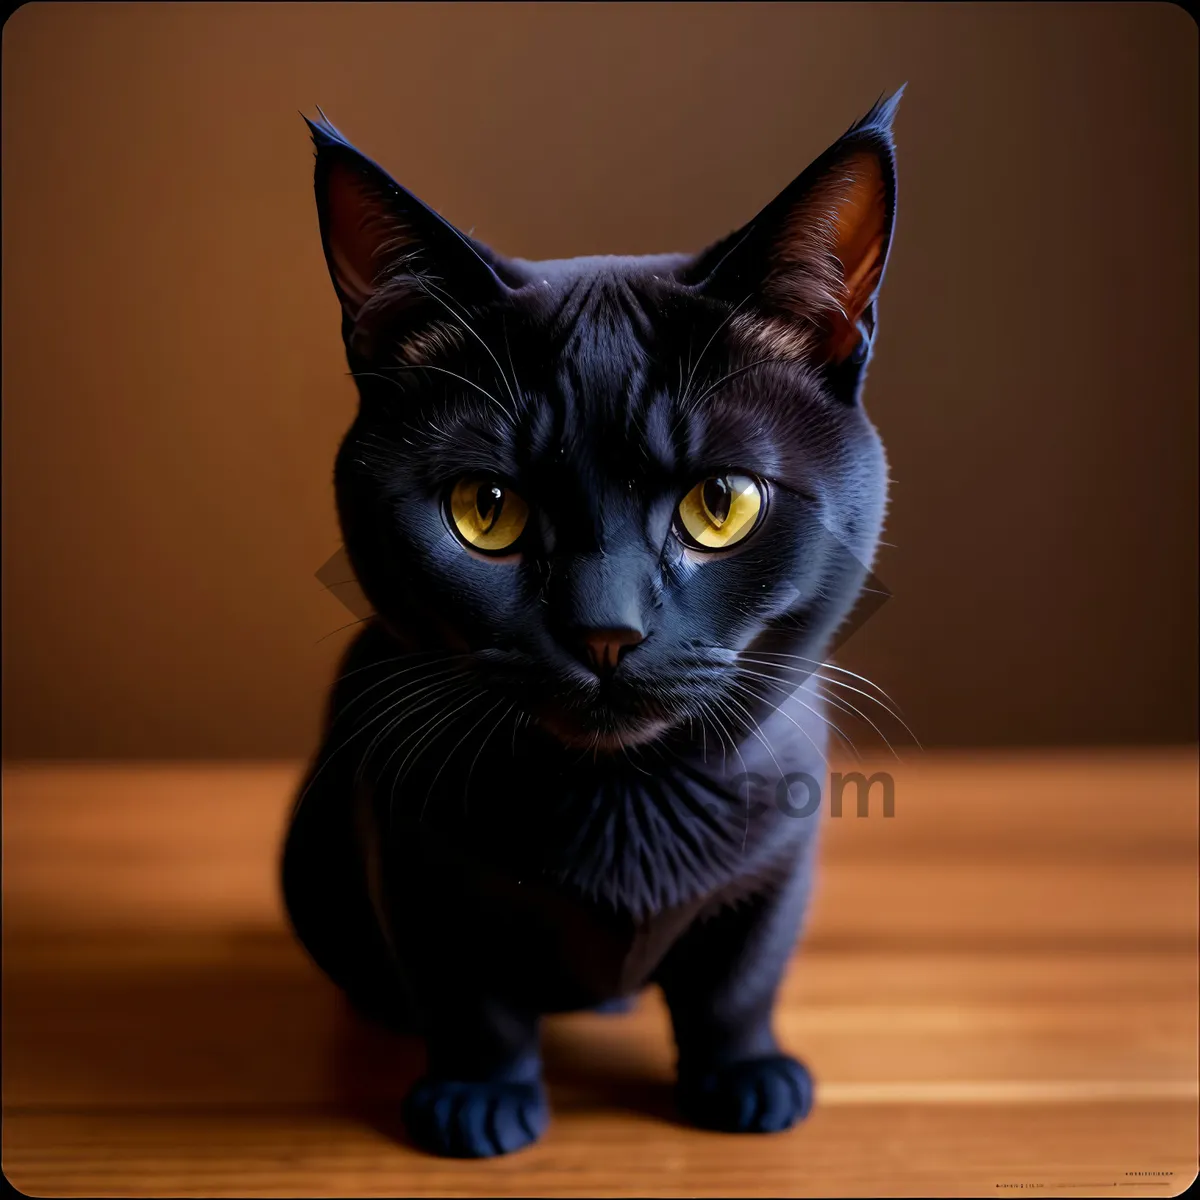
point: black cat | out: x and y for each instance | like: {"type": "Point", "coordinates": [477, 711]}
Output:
{"type": "Point", "coordinates": [609, 513]}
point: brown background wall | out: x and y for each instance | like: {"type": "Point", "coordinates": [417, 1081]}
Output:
{"type": "Point", "coordinates": [174, 387]}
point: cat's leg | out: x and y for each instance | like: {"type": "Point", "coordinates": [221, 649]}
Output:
{"type": "Point", "coordinates": [483, 1093]}
{"type": "Point", "coordinates": [720, 981]}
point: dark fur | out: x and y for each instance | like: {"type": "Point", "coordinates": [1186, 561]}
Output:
{"type": "Point", "coordinates": [460, 861]}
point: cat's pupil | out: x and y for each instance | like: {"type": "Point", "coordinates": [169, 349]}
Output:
{"type": "Point", "coordinates": [716, 496]}
{"type": "Point", "coordinates": [489, 500]}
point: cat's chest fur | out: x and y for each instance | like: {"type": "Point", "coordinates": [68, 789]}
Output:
{"type": "Point", "coordinates": [537, 944]}
{"type": "Point", "coordinates": [547, 938]}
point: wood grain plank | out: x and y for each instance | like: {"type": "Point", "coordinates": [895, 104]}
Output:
{"type": "Point", "coordinates": [883, 1150]}
{"type": "Point", "coordinates": [998, 987]}
{"type": "Point", "coordinates": [244, 1031]}
{"type": "Point", "coordinates": [1141, 802]}
{"type": "Point", "coordinates": [192, 848]}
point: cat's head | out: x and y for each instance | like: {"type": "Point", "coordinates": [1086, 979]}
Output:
{"type": "Point", "coordinates": [605, 482]}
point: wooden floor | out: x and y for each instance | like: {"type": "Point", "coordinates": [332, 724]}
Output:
{"type": "Point", "coordinates": [997, 992]}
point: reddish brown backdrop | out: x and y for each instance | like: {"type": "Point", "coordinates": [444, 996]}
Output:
{"type": "Point", "coordinates": [174, 386]}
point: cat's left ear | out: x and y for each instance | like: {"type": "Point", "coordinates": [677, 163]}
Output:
{"type": "Point", "coordinates": [805, 272]}
{"type": "Point", "coordinates": [379, 238]}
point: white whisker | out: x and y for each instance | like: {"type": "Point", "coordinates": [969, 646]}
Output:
{"type": "Point", "coordinates": [793, 695]}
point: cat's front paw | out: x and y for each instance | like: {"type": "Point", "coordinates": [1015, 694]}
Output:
{"type": "Point", "coordinates": [468, 1119]}
{"type": "Point", "coordinates": [759, 1095]}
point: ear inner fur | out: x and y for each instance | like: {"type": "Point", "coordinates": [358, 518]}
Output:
{"type": "Point", "coordinates": [829, 261]}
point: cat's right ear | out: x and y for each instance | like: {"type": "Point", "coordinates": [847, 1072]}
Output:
{"type": "Point", "coordinates": [379, 238]}
{"type": "Point", "coordinates": [804, 274]}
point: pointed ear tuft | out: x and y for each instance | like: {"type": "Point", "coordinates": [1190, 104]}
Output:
{"type": "Point", "coordinates": [323, 131]}
{"type": "Point", "coordinates": [880, 116]}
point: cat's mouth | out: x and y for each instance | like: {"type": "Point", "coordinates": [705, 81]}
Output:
{"type": "Point", "coordinates": [602, 728]}
{"type": "Point", "coordinates": [610, 716]}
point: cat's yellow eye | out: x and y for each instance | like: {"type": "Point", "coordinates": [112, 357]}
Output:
{"type": "Point", "coordinates": [720, 511]}
{"type": "Point", "coordinates": [488, 516]}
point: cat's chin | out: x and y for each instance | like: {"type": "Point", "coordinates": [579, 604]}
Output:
{"type": "Point", "coordinates": [606, 741]}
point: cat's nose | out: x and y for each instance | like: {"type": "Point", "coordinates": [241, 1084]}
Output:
{"type": "Point", "coordinates": [602, 649]}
